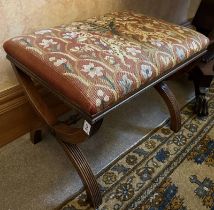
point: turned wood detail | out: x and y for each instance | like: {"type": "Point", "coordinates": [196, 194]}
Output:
{"type": "Point", "coordinates": [172, 105]}
{"type": "Point", "coordinates": [67, 136]}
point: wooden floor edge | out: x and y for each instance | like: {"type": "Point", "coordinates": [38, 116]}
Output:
{"type": "Point", "coordinates": [17, 117]}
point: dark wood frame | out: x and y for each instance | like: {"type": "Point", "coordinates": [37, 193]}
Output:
{"type": "Point", "coordinates": [69, 137]}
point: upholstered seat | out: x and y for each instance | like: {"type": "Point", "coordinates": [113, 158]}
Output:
{"type": "Point", "coordinates": [97, 62]}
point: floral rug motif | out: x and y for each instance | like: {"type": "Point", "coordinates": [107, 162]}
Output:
{"type": "Point", "coordinates": [164, 171]}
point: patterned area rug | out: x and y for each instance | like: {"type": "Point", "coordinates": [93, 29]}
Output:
{"type": "Point", "coordinates": [163, 171]}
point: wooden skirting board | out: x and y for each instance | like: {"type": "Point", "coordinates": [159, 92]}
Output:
{"type": "Point", "coordinates": [17, 116]}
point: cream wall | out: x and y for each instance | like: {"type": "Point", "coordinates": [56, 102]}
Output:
{"type": "Point", "coordinates": [24, 16]}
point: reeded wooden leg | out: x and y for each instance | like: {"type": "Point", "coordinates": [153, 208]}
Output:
{"type": "Point", "coordinates": [36, 136]}
{"type": "Point", "coordinates": [172, 105]}
{"type": "Point", "coordinates": [80, 163]}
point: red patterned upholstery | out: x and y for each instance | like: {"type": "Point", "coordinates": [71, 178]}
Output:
{"type": "Point", "coordinates": [99, 61]}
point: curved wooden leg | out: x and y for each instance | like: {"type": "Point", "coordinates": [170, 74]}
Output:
{"type": "Point", "coordinates": [71, 136]}
{"type": "Point", "coordinates": [172, 105]}
{"type": "Point", "coordinates": [80, 163]}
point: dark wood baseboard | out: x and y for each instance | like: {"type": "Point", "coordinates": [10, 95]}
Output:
{"type": "Point", "coordinates": [17, 116]}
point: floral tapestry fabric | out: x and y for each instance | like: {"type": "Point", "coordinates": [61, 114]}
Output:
{"type": "Point", "coordinates": [105, 59]}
